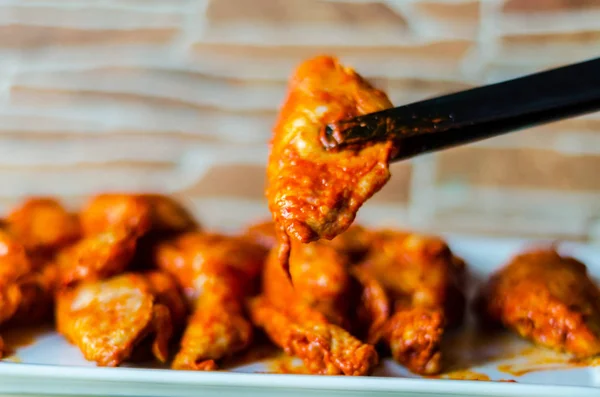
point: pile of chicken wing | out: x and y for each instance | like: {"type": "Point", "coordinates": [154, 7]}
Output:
{"type": "Point", "coordinates": [133, 276]}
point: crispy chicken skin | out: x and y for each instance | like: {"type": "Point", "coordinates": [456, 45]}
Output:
{"type": "Point", "coordinates": [324, 348]}
{"type": "Point", "coordinates": [217, 272]}
{"type": "Point", "coordinates": [108, 319]}
{"type": "Point", "coordinates": [547, 298]}
{"type": "Point", "coordinates": [424, 280]}
{"type": "Point", "coordinates": [314, 193]}
{"type": "Point", "coordinates": [43, 225]}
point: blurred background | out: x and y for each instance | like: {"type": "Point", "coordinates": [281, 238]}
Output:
{"type": "Point", "coordinates": [180, 96]}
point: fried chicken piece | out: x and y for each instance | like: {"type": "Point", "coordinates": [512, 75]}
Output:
{"type": "Point", "coordinates": [14, 264]}
{"type": "Point", "coordinates": [135, 213]}
{"type": "Point", "coordinates": [126, 213]}
{"type": "Point", "coordinates": [321, 281]}
{"type": "Point", "coordinates": [373, 310]}
{"type": "Point", "coordinates": [218, 328]}
{"type": "Point", "coordinates": [547, 298]}
{"type": "Point", "coordinates": [324, 348]}
{"type": "Point", "coordinates": [355, 242]}
{"type": "Point", "coordinates": [108, 319]}
{"type": "Point", "coordinates": [10, 299]}
{"type": "Point", "coordinates": [425, 281]}
{"type": "Point", "coordinates": [43, 225]}
{"type": "Point", "coordinates": [167, 215]}
{"type": "Point", "coordinates": [167, 292]}
{"type": "Point", "coordinates": [37, 291]}
{"type": "Point", "coordinates": [314, 193]}
{"type": "Point", "coordinates": [217, 272]}
{"type": "Point", "coordinates": [14, 261]}
{"type": "Point", "coordinates": [324, 281]}
{"type": "Point", "coordinates": [96, 257]}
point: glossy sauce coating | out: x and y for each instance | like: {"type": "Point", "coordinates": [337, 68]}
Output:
{"type": "Point", "coordinates": [218, 272]}
{"type": "Point", "coordinates": [321, 281]}
{"type": "Point", "coordinates": [324, 348]}
{"type": "Point", "coordinates": [42, 224]}
{"type": "Point", "coordinates": [14, 264]}
{"type": "Point", "coordinates": [548, 299]}
{"type": "Point", "coordinates": [424, 281]}
{"type": "Point", "coordinates": [108, 319]}
{"type": "Point", "coordinates": [96, 257]}
{"type": "Point", "coordinates": [314, 193]}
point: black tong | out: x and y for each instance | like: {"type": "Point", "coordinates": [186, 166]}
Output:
{"type": "Point", "coordinates": [475, 114]}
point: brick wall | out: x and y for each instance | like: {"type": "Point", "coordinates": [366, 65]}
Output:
{"type": "Point", "coordinates": [180, 96]}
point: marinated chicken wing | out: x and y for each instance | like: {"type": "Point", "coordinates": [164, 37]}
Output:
{"type": "Point", "coordinates": [14, 264]}
{"type": "Point", "coordinates": [96, 257]}
{"type": "Point", "coordinates": [314, 193]}
{"type": "Point", "coordinates": [218, 328]}
{"type": "Point", "coordinates": [37, 290]}
{"type": "Point", "coordinates": [323, 347]}
{"type": "Point", "coordinates": [315, 318]}
{"type": "Point", "coordinates": [14, 261]}
{"type": "Point", "coordinates": [424, 280]}
{"type": "Point", "coordinates": [136, 213]}
{"type": "Point", "coordinates": [217, 272]}
{"type": "Point", "coordinates": [372, 311]}
{"type": "Point", "coordinates": [126, 213]}
{"type": "Point", "coordinates": [43, 226]}
{"type": "Point", "coordinates": [167, 215]}
{"type": "Point", "coordinates": [108, 319]}
{"type": "Point", "coordinates": [321, 281]}
{"type": "Point", "coordinates": [355, 242]}
{"type": "Point", "coordinates": [547, 298]}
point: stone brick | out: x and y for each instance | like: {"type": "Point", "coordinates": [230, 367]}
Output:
{"type": "Point", "coordinates": [544, 169]}
{"type": "Point", "coordinates": [29, 36]}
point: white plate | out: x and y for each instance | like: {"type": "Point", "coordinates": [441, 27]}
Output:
{"type": "Point", "coordinates": [52, 366]}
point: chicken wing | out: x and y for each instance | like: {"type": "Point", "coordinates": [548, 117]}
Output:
{"type": "Point", "coordinates": [355, 242]}
{"type": "Point", "coordinates": [108, 319]}
{"type": "Point", "coordinates": [547, 298]}
{"type": "Point", "coordinates": [323, 347]}
{"type": "Point", "coordinates": [14, 264]}
{"type": "Point", "coordinates": [37, 290]}
{"type": "Point", "coordinates": [126, 213]}
{"type": "Point", "coordinates": [425, 282]}
{"type": "Point", "coordinates": [96, 257]}
{"type": "Point", "coordinates": [372, 310]}
{"type": "Point", "coordinates": [321, 281]}
{"type": "Point", "coordinates": [43, 226]}
{"type": "Point", "coordinates": [314, 193]}
{"type": "Point", "coordinates": [217, 272]}
{"type": "Point", "coordinates": [218, 328]}
{"type": "Point", "coordinates": [167, 215]}
{"type": "Point", "coordinates": [136, 213]}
